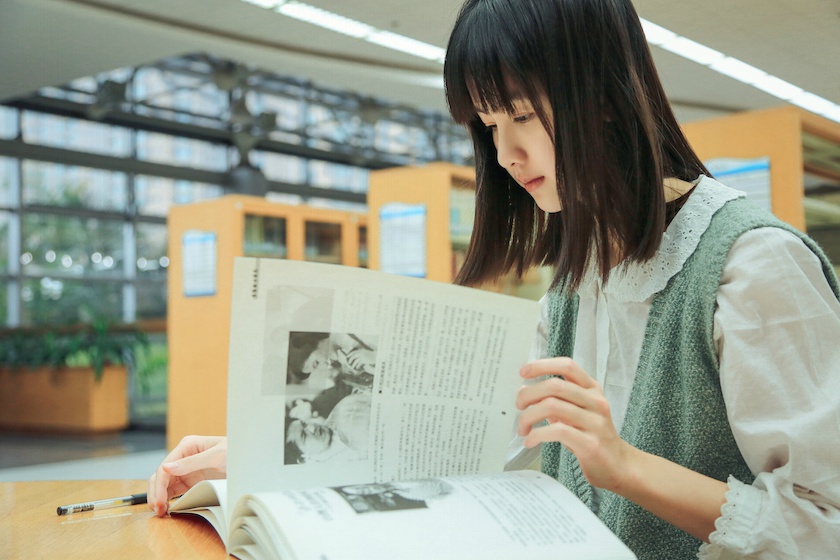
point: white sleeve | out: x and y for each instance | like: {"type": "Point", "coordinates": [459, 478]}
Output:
{"type": "Point", "coordinates": [518, 456]}
{"type": "Point", "coordinates": [777, 330]}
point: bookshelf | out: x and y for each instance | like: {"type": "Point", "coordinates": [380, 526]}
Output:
{"type": "Point", "coordinates": [443, 196]}
{"type": "Point", "coordinates": [797, 143]}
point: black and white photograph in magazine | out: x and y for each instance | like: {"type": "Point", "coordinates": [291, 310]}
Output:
{"type": "Point", "coordinates": [391, 496]}
{"type": "Point", "coordinates": [328, 396]}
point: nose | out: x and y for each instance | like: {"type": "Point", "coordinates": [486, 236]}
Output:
{"type": "Point", "coordinates": [509, 151]}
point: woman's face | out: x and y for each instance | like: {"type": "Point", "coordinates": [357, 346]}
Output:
{"type": "Point", "coordinates": [525, 150]}
{"type": "Point", "coordinates": [319, 359]}
{"type": "Point", "coordinates": [311, 438]}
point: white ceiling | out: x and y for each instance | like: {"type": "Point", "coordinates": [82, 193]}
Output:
{"type": "Point", "coordinates": [50, 42]}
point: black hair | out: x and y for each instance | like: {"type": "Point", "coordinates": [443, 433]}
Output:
{"type": "Point", "coordinates": [615, 136]}
{"type": "Point", "coordinates": [301, 346]}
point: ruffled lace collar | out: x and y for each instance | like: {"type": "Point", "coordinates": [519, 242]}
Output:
{"type": "Point", "coordinates": [635, 282]}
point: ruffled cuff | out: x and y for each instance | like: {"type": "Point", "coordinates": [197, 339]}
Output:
{"type": "Point", "coordinates": [735, 526]}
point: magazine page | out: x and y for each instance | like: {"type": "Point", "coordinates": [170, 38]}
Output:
{"type": "Point", "coordinates": [342, 375]}
{"type": "Point", "coordinates": [516, 514]}
{"type": "Point", "coordinates": [207, 499]}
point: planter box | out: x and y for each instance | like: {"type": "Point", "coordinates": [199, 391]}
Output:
{"type": "Point", "coordinates": [64, 400]}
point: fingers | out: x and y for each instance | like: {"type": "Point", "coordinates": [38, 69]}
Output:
{"type": "Point", "coordinates": [157, 497]}
{"type": "Point", "coordinates": [565, 367]}
{"type": "Point", "coordinates": [563, 396]}
{"type": "Point", "coordinates": [175, 474]}
{"type": "Point", "coordinates": [553, 387]}
{"type": "Point", "coordinates": [591, 416]}
{"type": "Point", "coordinates": [158, 492]}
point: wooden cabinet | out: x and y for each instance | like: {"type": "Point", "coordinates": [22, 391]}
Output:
{"type": "Point", "coordinates": [795, 141]}
{"type": "Point", "coordinates": [444, 196]}
{"type": "Point", "coordinates": [204, 238]}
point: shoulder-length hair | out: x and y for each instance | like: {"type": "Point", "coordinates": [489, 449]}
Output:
{"type": "Point", "coordinates": [615, 135]}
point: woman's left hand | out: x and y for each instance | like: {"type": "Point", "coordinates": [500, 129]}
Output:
{"type": "Point", "coordinates": [578, 416]}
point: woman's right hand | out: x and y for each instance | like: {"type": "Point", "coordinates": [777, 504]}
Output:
{"type": "Point", "coordinates": [194, 459]}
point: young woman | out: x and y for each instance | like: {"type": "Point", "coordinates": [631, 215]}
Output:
{"type": "Point", "coordinates": [689, 391]}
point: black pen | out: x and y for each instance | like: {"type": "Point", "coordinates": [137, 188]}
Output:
{"type": "Point", "coordinates": [102, 504]}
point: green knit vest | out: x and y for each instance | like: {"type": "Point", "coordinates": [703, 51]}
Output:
{"type": "Point", "coordinates": [676, 408]}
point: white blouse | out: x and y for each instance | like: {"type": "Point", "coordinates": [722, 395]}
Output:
{"type": "Point", "coordinates": [777, 333]}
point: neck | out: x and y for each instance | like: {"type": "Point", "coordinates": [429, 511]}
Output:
{"type": "Point", "coordinates": [675, 188]}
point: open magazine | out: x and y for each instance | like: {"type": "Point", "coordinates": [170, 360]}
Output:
{"type": "Point", "coordinates": [369, 415]}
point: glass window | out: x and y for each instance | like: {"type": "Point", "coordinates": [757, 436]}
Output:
{"type": "Point", "coordinates": [174, 150]}
{"type": "Point", "coordinates": [152, 261]}
{"type": "Point", "coordinates": [172, 94]}
{"type": "Point", "coordinates": [151, 299]}
{"type": "Point", "coordinates": [188, 191]}
{"type": "Point", "coordinates": [8, 182]}
{"type": "Point", "coordinates": [323, 242]}
{"type": "Point", "coordinates": [71, 246]}
{"type": "Point", "coordinates": [265, 236]}
{"type": "Point", "coordinates": [4, 302]}
{"type": "Point", "coordinates": [4, 245]}
{"type": "Point", "coordinates": [338, 176]}
{"type": "Point", "coordinates": [74, 187]}
{"type": "Point", "coordinates": [75, 134]}
{"type": "Point", "coordinates": [363, 247]}
{"type": "Point", "coordinates": [280, 167]}
{"type": "Point", "coordinates": [288, 110]}
{"type": "Point", "coordinates": [321, 124]}
{"type": "Point", "coordinates": [8, 123]}
{"type": "Point", "coordinates": [154, 196]}
{"type": "Point", "coordinates": [59, 301]}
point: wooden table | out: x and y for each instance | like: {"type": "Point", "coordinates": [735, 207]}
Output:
{"type": "Point", "coordinates": [30, 527]}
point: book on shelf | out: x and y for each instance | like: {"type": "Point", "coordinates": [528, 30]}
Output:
{"type": "Point", "coordinates": [370, 415]}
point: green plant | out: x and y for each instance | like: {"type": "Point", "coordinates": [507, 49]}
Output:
{"type": "Point", "coordinates": [93, 345]}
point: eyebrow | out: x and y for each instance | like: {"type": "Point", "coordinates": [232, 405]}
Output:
{"type": "Point", "coordinates": [515, 100]}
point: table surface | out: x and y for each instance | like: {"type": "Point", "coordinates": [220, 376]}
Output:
{"type": "Point", "coordinates": [31, 528]}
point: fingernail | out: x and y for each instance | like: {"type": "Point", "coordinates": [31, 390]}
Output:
{"type": "Point", "coordinates": [171, 466]}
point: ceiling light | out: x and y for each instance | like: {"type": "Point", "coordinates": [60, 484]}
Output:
{"type": "Point", "coordinates": [833, 113]}
{"type": "Point", "coordinates": [741, 71]}
{"type": "Point", "coordinates": [692, 50]}
{"type": "Point", "coordinates": [407, 45]}
{"type": "Point", "coordinates": [778, 87]}
{"type": "Point", "coordinates": [323, 18]}
{"type": "Point", "coordinates": [264, 3]}
{"type": "Point", "coordinates": [655, 34]}
{"type": "Point", "coordinates": [811, 102]}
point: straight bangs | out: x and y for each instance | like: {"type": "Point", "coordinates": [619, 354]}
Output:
{"type": "Point", "coordinates": [491, 61]}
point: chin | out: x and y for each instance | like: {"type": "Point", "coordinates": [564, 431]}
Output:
{"type": "Point", "coordinates": [551, 207]}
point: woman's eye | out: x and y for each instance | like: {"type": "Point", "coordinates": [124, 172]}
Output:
{"type": "Point", "coordinates": [523, 118]}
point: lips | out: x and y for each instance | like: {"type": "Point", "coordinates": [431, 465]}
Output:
{"type": "Point", "coordinates": [532, 183]}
